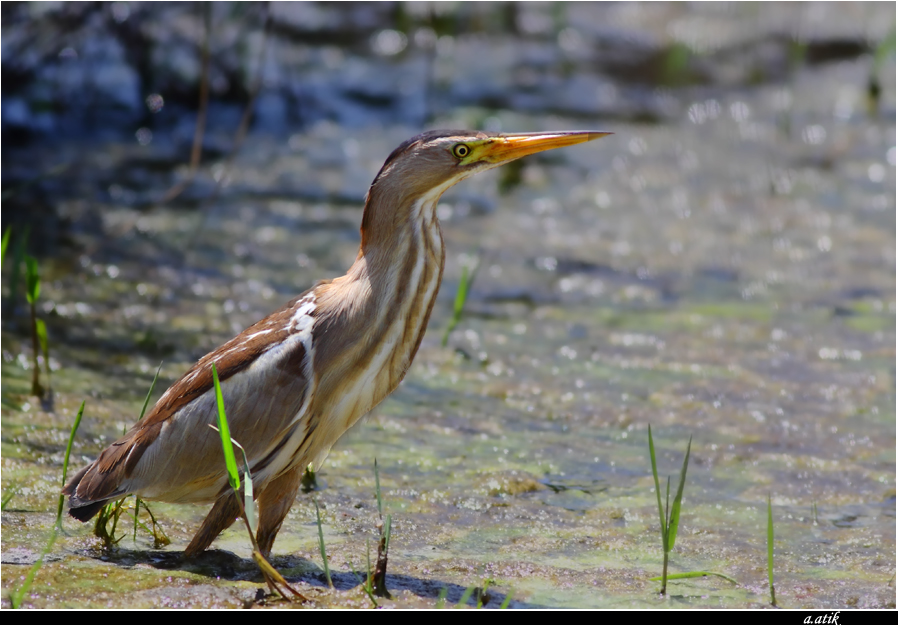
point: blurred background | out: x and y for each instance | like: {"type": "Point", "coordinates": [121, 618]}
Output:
{"type": "Point", "coordinates": [722, 267]}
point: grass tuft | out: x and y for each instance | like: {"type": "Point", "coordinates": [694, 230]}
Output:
{"type": "Point", "coordinates": [114, 509]}
{"type": "Point", "coordinates": [160, 539]}
{"type": "Point", "coordinates": [111, 512]}
{"type": "Point", "coordinates": [669, 515]}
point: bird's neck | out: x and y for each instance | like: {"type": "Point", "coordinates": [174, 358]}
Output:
{"type": "Point", "coordinates": [371, 321]}
{"type": "Point", "coordinates": [388, 293]}
{"type": "Point", "coordinates": [401, 250]}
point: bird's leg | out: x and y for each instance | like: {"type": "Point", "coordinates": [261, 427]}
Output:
{"type": "Point", "coordinates": [274, 502]}
{"type": "Point", "coordinates": [221, 517]}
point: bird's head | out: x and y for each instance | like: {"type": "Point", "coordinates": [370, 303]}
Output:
{"type": "Point", "coordinates": [420, 170]}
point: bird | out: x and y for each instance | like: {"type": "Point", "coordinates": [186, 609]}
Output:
{"type": "Point", "coordinates": [297, 380]}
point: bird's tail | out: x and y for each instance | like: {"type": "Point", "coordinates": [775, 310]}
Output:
{"type": "Point", "coordinates": [82, 509]}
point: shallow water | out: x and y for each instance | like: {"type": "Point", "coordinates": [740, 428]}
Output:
{"type": "Point", "coordinates": [725, 273]}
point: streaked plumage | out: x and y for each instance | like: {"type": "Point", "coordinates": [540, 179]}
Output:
{"type": "Point", "coordinates": [294, 382]}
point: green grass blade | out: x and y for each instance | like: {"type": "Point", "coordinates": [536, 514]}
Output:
{"type": "Point", "coordinates": [369, 573]}
{"type": "Point", "coordinates": [158, 541]}
{"type": "Point", "coordinates": [146, 402]}
{"type": "Point", "coordinates": [770, 552]}
{"type": "Point", "coordinates": [5, 244]}
{"type": "Point", "coordinates": [137, 500]}
{"type": "Point", "coordinates": [883, 50]}
{"type": "Point", "coordinates": [363, 584]}
{"type": "Point", "coordinates": [41, 329]}
{"type": "Point", "coordinates": [667, 514]}
{"type": "Point", "coordinates": [32, 280]}
{"type": "Point", "coordinates": [135, 517]}
{"type": "Point", "coordinates": [456, 307]}
{"type": "Point", "coordinates": [7, 497]}
{"type": "Point", "coordinates": [388, 524]}
{"type": "Point", "coordinates": [249, 502]}
{"type": "Point", "coordinates": [380, 501]}
{"type": "Point", "coordinates": [678, 500]}
{"type": "Point", "coordinates": [507, 601]}
{"type": "Point", "coordinates": [327, 571]}
{"type": "Point", "coordinates": [479, 603]}
{"type": "Point", "coordinates": [65, 462]}
{"type": "Point", "coordinates": [441, 598]}
{"type": "Point", "coordinates": [466, 595]}
{"type": "Point", "coordinates": [44, 342]}
{"type": "Point", "coordinates": [227, 447]}
{"type": "Point", "coordinates": [692, 574]}
{"type": "Point", "coordinates": [116, 515]}
{"type": "Point", "coordinates": [138, 523]}
{"type": "Point", "coordinates": [461, 296]}
{"type": "Point", "coordinates": [661, 514]}
{"type": "Point", "coordinates": [15, 598]}
{"type": "Point", "coordinates": [42, 337]}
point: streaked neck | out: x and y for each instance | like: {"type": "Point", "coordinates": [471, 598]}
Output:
{"type": "Point", "coordinates": [372, 320]}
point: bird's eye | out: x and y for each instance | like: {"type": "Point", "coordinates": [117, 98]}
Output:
{"type": "Point", "coordinates": [461, 150]}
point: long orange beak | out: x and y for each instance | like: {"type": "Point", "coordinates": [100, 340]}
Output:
{"type": "Point", "coordinates": [510, 147]}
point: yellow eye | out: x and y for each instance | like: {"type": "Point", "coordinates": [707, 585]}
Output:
{"type": "Point", "coordinates": [461, 150]}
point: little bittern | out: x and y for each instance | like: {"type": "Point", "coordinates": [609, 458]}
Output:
{"type": "Point", "coordinates": [294, 382]}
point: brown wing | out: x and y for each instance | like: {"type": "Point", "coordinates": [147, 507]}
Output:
{"type": "Point", "coordinates": [262, 372]}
